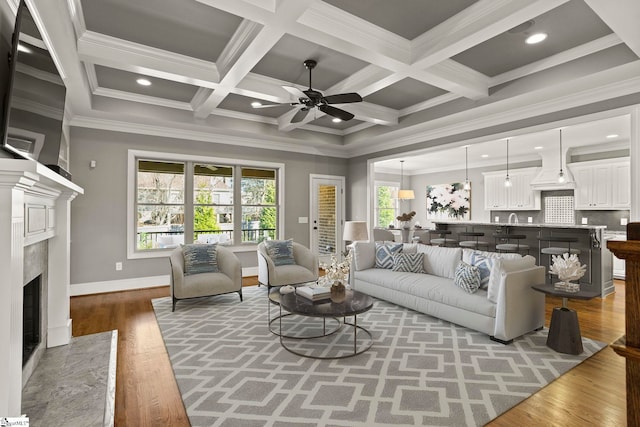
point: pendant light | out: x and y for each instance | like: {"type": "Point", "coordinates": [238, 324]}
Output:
{"type": "Point", "coordinates": [467, 183]}
{"type": "Point", "coordinates": [404, 194]}
{"type": "Point", "coordinates": [561, 177]}
{"type": "Point", "coordinates": [507, 181]}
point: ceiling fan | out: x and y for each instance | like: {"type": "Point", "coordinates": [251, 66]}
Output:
{"type": "Point", "coordinates": [311, 98]}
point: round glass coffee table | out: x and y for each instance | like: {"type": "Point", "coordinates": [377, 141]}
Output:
{"type": "Point", "coordinates": [354, 303]}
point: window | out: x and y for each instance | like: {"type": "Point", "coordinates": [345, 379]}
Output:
{"type": "Point", "coordinates": [160, 204]}
{"type": "Point", "coordinates": [386, 206]}
{"type": "Point", "coordinates": [184, 199]}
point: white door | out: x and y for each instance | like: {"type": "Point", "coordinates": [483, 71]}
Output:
{"type": "Point", "coordinates": [327, 215]}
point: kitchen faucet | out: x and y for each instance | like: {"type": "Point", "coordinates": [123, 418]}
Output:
{"type": "Point", "coordinates": [513, 215]}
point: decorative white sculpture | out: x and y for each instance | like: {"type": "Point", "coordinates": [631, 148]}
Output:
{"type": "Point", "coordinates": [567, 268]}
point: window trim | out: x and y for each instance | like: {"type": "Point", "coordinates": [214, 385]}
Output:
{"type": "Point", "coordinates": [379, 183]}
{"type": "Point", "coordinates": [134, 155]}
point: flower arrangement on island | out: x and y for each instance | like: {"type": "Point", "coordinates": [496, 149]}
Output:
{"type": "Point", "coordinates": [448, 201]}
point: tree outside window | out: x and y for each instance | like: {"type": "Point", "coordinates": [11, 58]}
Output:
{"type": "Point", "coordinates": [386, 206]}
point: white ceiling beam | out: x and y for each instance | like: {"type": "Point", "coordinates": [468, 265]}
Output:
{"type": "Point", "coordinates": [137, 58]}
{"type": "Point", "coordinates": [366, 81]}
{"type": "Point", "coordinates": [254, 10]}
{"type": "Point", "coordinates": [457, 78]}
{"type": "Point", "coordinates": [477, 23]}
{"type": "Point", "coordinates": [372, 113]}
{"type": "Point", "coordinates": [622, 17]}
{"type": "Point", "coordinates": [249, 44]}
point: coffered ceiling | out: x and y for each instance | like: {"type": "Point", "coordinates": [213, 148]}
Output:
{"type": "Point", "coordinates": [425, 69]}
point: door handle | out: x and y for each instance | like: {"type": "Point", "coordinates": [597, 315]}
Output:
{"type": "Point", "coordinates": [315, 228]}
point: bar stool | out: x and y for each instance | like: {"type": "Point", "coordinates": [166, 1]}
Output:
{"type": "Point", "coordinates": [442, 240]}
{"type": "Point", "coordinates": [507, 245]}
{"type": "Point", "coordinates": [472, 241]}
{"type": "Point", "coordinates": [557, 250]}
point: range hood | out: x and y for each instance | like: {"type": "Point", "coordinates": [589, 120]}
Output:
{"type": "Point", "coordinates": [547, 178]}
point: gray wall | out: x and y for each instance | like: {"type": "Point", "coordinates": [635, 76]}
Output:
{"type": "Point", "coordinates": [98, 218]}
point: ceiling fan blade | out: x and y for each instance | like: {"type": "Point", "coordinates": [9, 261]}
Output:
{"type": "Point", "coordinates": [299, 116]}
{"type": "Point", "coordinates": [343, 98]}
{"type": "Point", "coordinates": [274, 105]}
{"type": "Point", "coordinates": [336, 112]}
{"type": "Point", "coordinates": [295, 92]}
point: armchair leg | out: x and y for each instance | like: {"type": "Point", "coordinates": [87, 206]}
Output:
{"type": "Point", "coordinates": [175, 300]}
{"type": "Point", "coordinates": [240, 293]}
{"type": "Point", "coordinates": [492, 338]}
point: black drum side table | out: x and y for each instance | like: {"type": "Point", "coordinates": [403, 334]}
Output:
{"type": "Point", "coordinates": [564, 329]}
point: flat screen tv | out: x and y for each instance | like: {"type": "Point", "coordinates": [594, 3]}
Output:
{"type": "Point", "coordinates": [33, 96]}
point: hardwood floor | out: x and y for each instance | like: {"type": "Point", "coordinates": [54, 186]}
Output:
{"type": "Point", "coordinates": [593, 393]}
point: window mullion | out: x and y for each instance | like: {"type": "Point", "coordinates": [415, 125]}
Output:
{"type": "Point", "coordinates": [188, 202]}
{"type": "Point", "coordinates": [237, 205]}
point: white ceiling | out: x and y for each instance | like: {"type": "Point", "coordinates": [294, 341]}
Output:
{"type": "Point", "coordinates": [425, 68]}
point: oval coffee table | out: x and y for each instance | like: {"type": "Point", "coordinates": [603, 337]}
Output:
{"type": "Point", "coordinates": [355, 303]}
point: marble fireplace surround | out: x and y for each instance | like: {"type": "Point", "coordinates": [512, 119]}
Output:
{"type": "Point", "coordinates": [35, 205]}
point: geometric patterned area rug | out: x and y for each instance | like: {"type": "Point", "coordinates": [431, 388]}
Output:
{"type": "Point", "coordinates": [232, 371]}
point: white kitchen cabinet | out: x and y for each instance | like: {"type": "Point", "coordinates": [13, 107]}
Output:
{"type": "Point", "coordinates": [520, 196]}
{"type": "Point", "coordinates": [602, 184]}
{"type": "Point", "coordinates": [495, 193]}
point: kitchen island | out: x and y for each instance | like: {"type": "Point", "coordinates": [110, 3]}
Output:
{"type": "Point", "coordinates": [591, 243]}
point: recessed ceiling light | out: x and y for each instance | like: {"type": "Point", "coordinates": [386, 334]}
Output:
{"type": "Point", "coordinates": [336, 120]}
{"type": "Point", "coordinates": [23, 48]}
{"type": "Point", "coordinates": [613, 135]}
{"type": "Point", "coordinates": [539, 147]}
{"type": "Point", "coordinates": [536, 38]}
{"type": "Point", "coordinates": [484, 156]}
{"type": "Point", "coordinates": [256, 104]}
{"type": "Point", "coordinates": [143, 82]}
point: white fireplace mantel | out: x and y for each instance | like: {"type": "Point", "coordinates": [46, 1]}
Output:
{"type": "Point", "coordinates": [35, 205]}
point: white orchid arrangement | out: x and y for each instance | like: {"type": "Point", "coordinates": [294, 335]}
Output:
{"type": "Point", "coordinates": [336, 270]}
{"type": "Point", "coordinates": [567, 267]}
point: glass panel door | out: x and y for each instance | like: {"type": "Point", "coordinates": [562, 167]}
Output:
{"type": "Point", "coordinates": [327, 217]}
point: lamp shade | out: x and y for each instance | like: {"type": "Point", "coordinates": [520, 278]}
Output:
{"type": "Point", "coordinates": [406, 195]}
{"type": "Point", "coordinates": [355, 230]}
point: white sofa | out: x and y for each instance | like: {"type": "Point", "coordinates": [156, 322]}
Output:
{"type": "Point", "coordinates": [506, 310]}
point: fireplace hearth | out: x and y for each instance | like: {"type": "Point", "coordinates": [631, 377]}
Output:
{"type": "Point", "coordinates": [31, 318]}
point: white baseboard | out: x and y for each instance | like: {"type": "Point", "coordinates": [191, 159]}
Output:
{"type": "Point", "coordinates": [133, 283]}
{"type": "Point", "coordinates": [60, 335]}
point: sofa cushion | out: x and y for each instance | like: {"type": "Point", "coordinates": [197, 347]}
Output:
{"type": "Point", "coordinates": [440, 261]}
{"type": "Point", "coordinates": [409, 248]}
{"type": "Point", "coordinates": [503, 266]}
{"type": "Point", "coordinates": [364, 255]}
{"type": "Point", "coordinates": [466, 255]}
{"type": "Point", "coordinates": [384, 254]}
{"type": "Point", "coordinates": [426, 286]}
{"type": "Point", "coordinates": [411, 263]}
{"type": "Point", "coordinates": [200, 258]}
{"type": "Point", "coordinates": [467, 277]}
{"type": "Point", "coordinates": [280, 251]}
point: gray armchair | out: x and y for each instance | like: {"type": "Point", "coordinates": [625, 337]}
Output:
{"type": "Point", "coordinates": [227, 279]}
{"type": "Point", "coordinates": [304, 270]}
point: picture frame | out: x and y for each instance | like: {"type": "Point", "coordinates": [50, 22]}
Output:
{"type": "Point", "coordinates": [448, 202]}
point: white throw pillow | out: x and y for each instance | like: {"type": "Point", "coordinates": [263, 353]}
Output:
{"type": "Point", "coordinates": [503, 266]}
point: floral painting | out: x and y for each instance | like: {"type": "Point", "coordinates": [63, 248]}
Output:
{"type": "Point", "coordinates": [448, 201]}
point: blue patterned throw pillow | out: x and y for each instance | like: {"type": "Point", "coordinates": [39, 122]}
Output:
{"type": "Point", "coordinates": [467, 277]}
{"type": "Point", "coordinates": [280, 251]}
{"type": "Point", "coordinates": [384, 254]}
{"type": "Point", "coordinates": [200, 258]}
{"type": "Point", "coordinates": [408, 263]}
{"type": "Point", "coordinates": [484, 264]}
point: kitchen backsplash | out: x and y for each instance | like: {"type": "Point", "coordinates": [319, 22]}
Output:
{"type": "Point", "coordinates": [609, 218]}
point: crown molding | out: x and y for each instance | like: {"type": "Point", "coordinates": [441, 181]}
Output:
{"type": "Point", "coordinates": [218, 136]}
{"type": "Point", "coordinates": [143, 99]}
{"type": "Point", "coordinates": [39, 74]}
